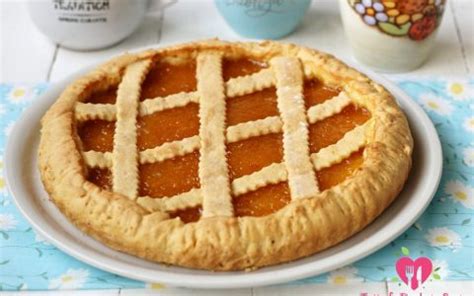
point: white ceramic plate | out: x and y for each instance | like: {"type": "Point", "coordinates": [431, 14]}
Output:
{"type": "Point", "coordinates": [24, 183]}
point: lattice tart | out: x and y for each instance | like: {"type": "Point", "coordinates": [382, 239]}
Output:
{"type": "Point", "coordinates": [224, 156]}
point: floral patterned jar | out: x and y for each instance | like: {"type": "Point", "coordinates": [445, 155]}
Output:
{"type": "Point", "coordinates": [391, 35]}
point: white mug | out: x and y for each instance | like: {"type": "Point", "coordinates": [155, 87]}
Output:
{"type": "Point", "coordinates": [90, 24]}
{"type": "Point", "coordinates": [391, 36]}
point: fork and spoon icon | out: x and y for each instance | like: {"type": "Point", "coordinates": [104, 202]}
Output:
{"type": "Point", "coordinates": [414, 272]}
{"type": "Point", "coordinates": [410, 273]}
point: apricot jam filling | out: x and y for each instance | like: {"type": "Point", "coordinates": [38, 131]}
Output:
{"type": "Point", "coordinates": [337, 173]}
{"type": "Point", "coordinates": [241, 67]}
{"type": "Point", "coordinates": [169, 177]}
{"type": "Point", "coordinates": [250, 107]}
{"type": "Point", "coordinates": [180, 174]}
{"type": "Point", "coordinates": [330, 130]}
{"type": "Point", "coordinates": [188, 215]}
{"type": "Point", "coordinates": [107, 96]}
{"type": "Point", "coordinates": [262, 201]}
{"type": "Point", "coordinates": [165, 79]}
{"type": "Point", "coordinates": [97, 135]}
{"type": "Point", "coordinates": [169, 125]}
{"type": "Point", "coordinates": [100, 177]}
{"type": "Point", "coordinates": [315, 92]}
{"type": "Point", "coordinates": [253, 154]}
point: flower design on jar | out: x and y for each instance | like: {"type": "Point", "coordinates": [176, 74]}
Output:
{"type": "Point", "coordinates": [371, 12]}
{"type": "Point", "coordinates": [422, 28]}
{"type": "Point", "coordinates": [416, 19]}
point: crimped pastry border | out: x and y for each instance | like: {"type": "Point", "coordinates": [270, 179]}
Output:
{"type": "Point", "coordinates": [302, 228]}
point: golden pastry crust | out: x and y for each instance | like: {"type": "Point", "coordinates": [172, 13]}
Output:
{"type": "Point", "coordinates": [303, 227]}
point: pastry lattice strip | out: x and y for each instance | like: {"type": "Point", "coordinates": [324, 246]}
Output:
{"type": "Point", "coordinates": [289, 85]}
{"type": "Point", "coordinates": [89, 111]}
{"type": "Point", "coordinates": [272, 174]}
{"type": "Point", "coordinates": [213, 170]}
{"type": "Point", "coordinates": [235, 133]}
{"type": "Point", "coordinates": [234, 87]}
{"type": "Point", "coordinates": [125, 154]}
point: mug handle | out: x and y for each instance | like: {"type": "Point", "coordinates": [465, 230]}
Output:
{"type": "Point", "coordinates": [158, 5]}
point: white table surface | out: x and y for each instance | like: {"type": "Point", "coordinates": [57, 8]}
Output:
{"type": "Point", "coordinates": [27, 56]}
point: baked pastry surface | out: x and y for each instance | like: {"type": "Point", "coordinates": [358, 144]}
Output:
{"type": "Point", "coordinates": [224, 156]}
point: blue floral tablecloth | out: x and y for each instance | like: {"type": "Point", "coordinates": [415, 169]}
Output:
{"type": "Point", "coordinates": [443, 234]}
